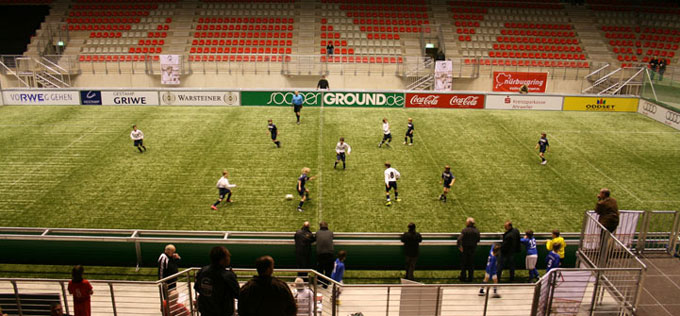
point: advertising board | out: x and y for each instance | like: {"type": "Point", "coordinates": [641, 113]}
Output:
{"type": "Point", "coordinates": [90, 97]}
{"type": "Point", "coordinates": [199, 98]}
{"type": "Point", "coordinates": [659, 113]}
{"type": "Point", "coordinates": [523, 102]}
{"type": "Point", "coordinates": [41, 97]}
{"type": "Point", "coordinates": [511, 81]}
{"type": "Point", "coordinates": [445, 100]}
{"type": "Point", "coordinates": [600, 104]}
{"type": "Point", "coordinates": [363, 99]}
{"type": "Point", "coordinates": [279, 98]}
{"type": "Point", "coordinates": [130, 98]}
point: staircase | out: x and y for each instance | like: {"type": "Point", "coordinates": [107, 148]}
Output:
{"type": "Point", "coordinates": [419, 74]}
{"type": "Point", "coordinates": [592, 40]}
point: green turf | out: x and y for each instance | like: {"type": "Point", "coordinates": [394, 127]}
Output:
{"type": "Point", "coordinates": [76, 167]}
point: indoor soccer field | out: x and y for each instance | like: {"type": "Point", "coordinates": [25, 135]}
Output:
{"type": "Point", "coordinates": [77, 167]}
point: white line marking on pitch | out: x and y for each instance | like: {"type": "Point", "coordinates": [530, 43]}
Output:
{"type": "Point", "coordinates": [319, 212]}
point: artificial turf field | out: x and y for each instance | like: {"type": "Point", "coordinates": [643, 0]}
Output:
{"type": "Point", "coordinates": [76, 167]}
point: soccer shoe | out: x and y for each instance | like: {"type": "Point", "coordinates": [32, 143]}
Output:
{"type": "Point", "coordinates": [388, 203]}
{"type": "Point", "coordinates": [379, 145]}
{"type": "Point", "coordinates": [544, 162]}
{"type": "Point", "coordinates": [298, 123]}
{"type": "Point", "coordinates": [299, 209]}
{"type": "Point", "coordinates": [481, 293]}
{"type": "Point", "coordinates": [410, 144]}
{"type": "Point", "coordinates": [398, 200]}
{"type": "Point", "coordinates": [230, 201]}
{"type": "Point", "coordinates": [496, 295]}
{"type": "Point", "coordinates": [404, 143]}
{"type": "Point", "coordinates": [213, 207]}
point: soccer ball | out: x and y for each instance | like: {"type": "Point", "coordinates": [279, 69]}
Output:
{"type": "Point", "coordinates": [289, 196]}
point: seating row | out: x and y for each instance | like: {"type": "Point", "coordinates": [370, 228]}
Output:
{"type": "Point", "coordinates": [402, 22]}
{"type": "Point", "coordinates": [513, 25]}
{"type": "Point", "coordinates": [108, 13]}
{"type": "Point", "coordinates": [244, 27]}
{"type": "Point", "coordinates": [665, 45]}
{"type": "Point", "coordinates": [537, 40]}
{"type": "Point", "coordinates": [640, 51]}
{"type": "Point", "coordinates": [363, 60]}
{"type": "Point", "coordinates": [116, 58]}
{"type": "Point", "coordinates": [240, 50]}
{"type": "Point", "coordinates": [251, 20]}
{"type": "Point", "coordinates": [538, 33]}
{"type": "Point", "coordinates": [528, 63]}
{"type": "Point", "coordinates": [540, 48]}
{"type": "Point", "coordinates": [239, 58]}
{"type": "Point", "coordinates": [120, 34]}
{"type": "Point", "coordinates": [145, 50]}
{"type": "Point", "coordinates": [498, 4]}
{"type": "Point", "coordinates": [235, 42]}
{"type": "Point", "coordinates": [114, 7]}
{"type": "Point", "coordinates": [244, 35]}
{"type": "Point", "coordinates": [525, 55]}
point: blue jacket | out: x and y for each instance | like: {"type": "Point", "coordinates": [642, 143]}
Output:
{"type": "Point", "coordinates": [552, 261]}
{"type": "Point", "coordinates": [338, 270]}
{"type": "Point", "coordinates": [530, 244]}
{"type": "Point", "coordinates": [492, 264]}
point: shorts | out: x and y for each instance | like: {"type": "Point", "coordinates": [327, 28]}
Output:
{"type": "Point", "coordinates": [297, 108]}
{"type": "Point", "coordinates": [492, 277]}
{"type": "Point", "coordinates": [542, 150]}
{"type": "Point", "coordinates": [139, 142]}
{"type": "Point", "coordinates": [387, 136]}
{"type": "Point", "coordinates": [390, 185]}
{"type": "Point", "coordinates": [224, 192]}
{"type": "Point", "coordinates": [409, 133]}
{"type": "Point", "coordinates": [273, 136]}
{"type": "Point", "coordinates": [302, 192]}
{"type": "Point", "coordinates": [340, 156]}
{"type": "Point", "coordinates": [447, 185]}
{"type": "Point", "coordinates": [530, 262]}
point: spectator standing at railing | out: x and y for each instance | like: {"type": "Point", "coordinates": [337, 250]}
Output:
{"type": "Point", "coordinates": [324, 250]}
{"type": "Point", "coordinates": [168, 264]}
{"type": "Point", "coordinates": [467, 244]}
{"type": "Point", "coordinates": [608, 210]}
{"type": "Point", "coordinates": [81, 291]}
{"type": "Point", "coordinates": [529, 243]}
{"type": "Point", "coordinates": [411, 240]}
{"type": "Point", "coordinates": [304, 298]}
{"type": "Point", "coordinates": [662, 68]}
{"type": "Point", "coordinates": [216, 285]}
{"type": "Point", "coordinates": [556, 239]}
{"type": "Point", "coordinates": [303, 248]}
{"type": "Point", "coordinates": [323, 84]}
{"type": "Point", "coordinates": [653, 65]}
{"type": "Point", "coordinates": [509, 247]}
{"type": "Point", "coordinates": [330, 49]}
{"type": "Point", "coordinates": [265, 295]}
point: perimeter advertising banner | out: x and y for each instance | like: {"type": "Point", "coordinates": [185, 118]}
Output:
{"type": "Point", "coordinates": [659, 113]}
{"type": "Point", "coordinates": [38, 97]}
{"type": "Point", "coordinates": [130, 98]}
{"type": "Point", "coordinates": [445, 100]}
{"type": "Point", "coordinates": [511, 81]}
{"type": "Point", "coordinates": [600, 104]}
{"type": "Point", "coordinates": [523, 102]}
{"type": "Point", "coordinates": [279, 98]}
{"type": "Point", "coordinates": [199, 98]}
{"type": "Point", "coordinates": [363, 99]}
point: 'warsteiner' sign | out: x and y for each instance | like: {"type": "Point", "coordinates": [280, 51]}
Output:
{"type": "Point", "coordinates": [510, 81]}
{"type": "Point", "coordinates": [279, 98]}
{"type": "Point", "coordinates": [444, 100]}
{"type": "Point", "coordinates": [199, 98]}
{"type": "Point", "coordinates": [363, 99]}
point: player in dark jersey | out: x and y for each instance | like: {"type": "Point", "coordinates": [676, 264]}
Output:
{"type": "Point", "coordinates": [301, 189]}
{"type": "Point", "coordinates": [447, 180]}
{"type": "Point", "coordinates": [409, 132]}
{"type": "Point", "coordinates": [274, 133]}
{"type": "Point", "coordinates": [543, 147]}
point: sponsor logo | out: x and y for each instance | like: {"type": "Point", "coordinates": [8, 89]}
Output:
{"type": "Point", "coordinates": [91, 97]}
{"type": "Point", "coordinates": [507, 100]}
{"type": "Point", "coordinates": [601, 104]}
{"type": "Point", "coordinates": [649, 107]}
{"type": "Point", "coordinates": [445, 100]}
{"type": "Point", "coordinates": [431, 99]}
{"type": "Point", "coordinates": [469, 101]}
{"type": "Point", "coordinates": [363, 99]}
{"type": "Point", "coordinates": [286, 98]}
{"type": "Point", "coordinates": [673, 117]}
{"type": "Point", "coordinates": [40, 97]}
{"type": "Point", "coordinates": [512, 81]}
{"type": "Point", "coordinates": [202, 98]}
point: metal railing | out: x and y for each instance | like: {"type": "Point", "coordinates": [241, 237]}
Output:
{"type": "Point", "coordinates": [658, 232]}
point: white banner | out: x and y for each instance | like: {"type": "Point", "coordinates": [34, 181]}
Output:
{"type": "Point", "coordinates": [130, 98]}
{"type": "Point", "coordinates": [169, 69]}
{"type": "Point", "coordinates": [523, 102]}
{"type": "Point", "coordinates": [443, 75]}
{"type": "Point", "coordinates": [38, 97]}
{"type": "Point", "coordinates": [200, 98]}
{"type": "Point", "coordinates": [659, 113]}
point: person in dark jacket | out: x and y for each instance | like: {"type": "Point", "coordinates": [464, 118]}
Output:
{"type": "Point", "coordinates": [265, 295]}
{"type": "Point", "coordinates": [653, 65]}
{"type": "Point", "coordinates": [303, 248]}
{"type": "Point", "coordinates": [509, 247]}
{"type": "Point", "coordinates": [168, 264]}
{"type": "Point", "coordinates": [216, 285]}
{"type": "Point", "coordinates": [325, 255]}
{"type": "Point", "coordinates": [411, 240]}
{"type": "Point", "coordinates": [608, 210]}
{"type": "Point", "coordinates": [662, 68]}
{"type": "Point", "coordinates": [467, 243]}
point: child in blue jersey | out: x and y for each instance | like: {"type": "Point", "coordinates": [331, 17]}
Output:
{"type": "Point", "coordinates": [339, 267]}
{"type": "Point", "coordinates": [552, 261]}
{"type": "Point", "coordinates": [532, 253]}
{"type": "Point", "coordinates": [492, 270]}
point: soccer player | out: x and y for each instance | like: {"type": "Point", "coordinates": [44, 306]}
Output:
{"type": "Point", "coordinates": [409, 132]}
{"type": "Point", "coordinates": [298, 100]}
{"type": "Point", "coordinates": [447, 179]}
{"type": "Point", "coordinates": [341, 149]}
{"type": "Point", "coordinates": [391, 177]}
{"type": "Point", "coordinates": [302, 191]}
{"type": "Point", "coordinates": [274, 133]}
{"type": "Point", "coordinates": [138, 138]}
{"type": "Point", "coordinates": [543, 147]}
{"type": "Point", "coordinates": [492, 270]}
{"type": "Point", "coordinates": [532, 253]}
{"type": "Point", "coordinates": [552, 260]}
{"type": "Point", "coordinates": [224, 188]}
{"type": "Point", "coordinates": [387, 135]}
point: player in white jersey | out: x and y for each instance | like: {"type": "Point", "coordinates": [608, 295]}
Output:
{"type": "Point", "coordinates": [391, 177]}
{"type": "Point", "coordinates": [341, 149]}
{"type": "Point", "coordinates": [138, 138]}
{"type": "Point", "coordinates": [387, 134]}
{"type": "Point", "coordinates": [224, 188]}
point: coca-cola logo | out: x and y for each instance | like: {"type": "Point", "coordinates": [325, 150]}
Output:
{"type": "Point", "coordinates": [467, 101]}
{"type": "Point", "coordinates": [425, 100]}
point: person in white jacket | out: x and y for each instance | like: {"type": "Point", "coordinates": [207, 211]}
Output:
{"type": "Point", "coordinates": [138, 138]}
{"type": "Point", "coordinates": [304, 298]}
{"type": "Point", "coordinates": [224, 188]}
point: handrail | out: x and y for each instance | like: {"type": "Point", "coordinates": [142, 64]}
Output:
{"type": "Point", "coordinates": [10, 71]}
{"type": "Point", "coordinates": [596, 71]}
{"type": "Point", "coordinates": [629, 80]}
{"type": "Point", "coordinates": [601, 80]}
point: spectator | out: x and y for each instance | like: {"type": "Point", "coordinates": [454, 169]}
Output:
{"type": "Point", "coordinates": [411, 240]}
{"type": "Point", "coordinates": [552, 261]}
{"type": "Point", "coordinates": [532, 254]}
{"type": "Point", "coordinates": [324, 250]}
{"type": "Point", "coordinates": [81, 291]}
{"type": "Point", "coordinates": [556, 239]}
{"type": "Point", "coordinates": [509, 247]}
{"type": "Point", "coordinates": [323, 84]}
{"type": "Point", "coordinates": [467, 243]}
{"type": "Point", "coordinates": [653, 64]}
{"type": "Point", "coordinates": [524, 89]}
{"type": "Point", "coordinates": [330, 48]}
{"type": "Point", "coordinates": [491, 270]}
{"type": "Point", "coordinates": [440, 56]}
{"type": "Point", "coordinates": [303, 248]}
{"type": "Point", "coordinates": [55, 310]}
{"type": "Point", "coordinates": [304, 297]}
{"type": "Point", "coordinates": [662, 68]}
{"type": "Point", "coordinates": [339, 267]}
{"type": "Point", "coordinates": [168, 265]}
{"type": "Point", "coordinates": [608, 210]}
{"type": "Point", "coordinates": [174, 307]}
{"type": "Point", "coordinates": [216, 285]}
{"type": "Point", "coordinates": [265, 295]}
